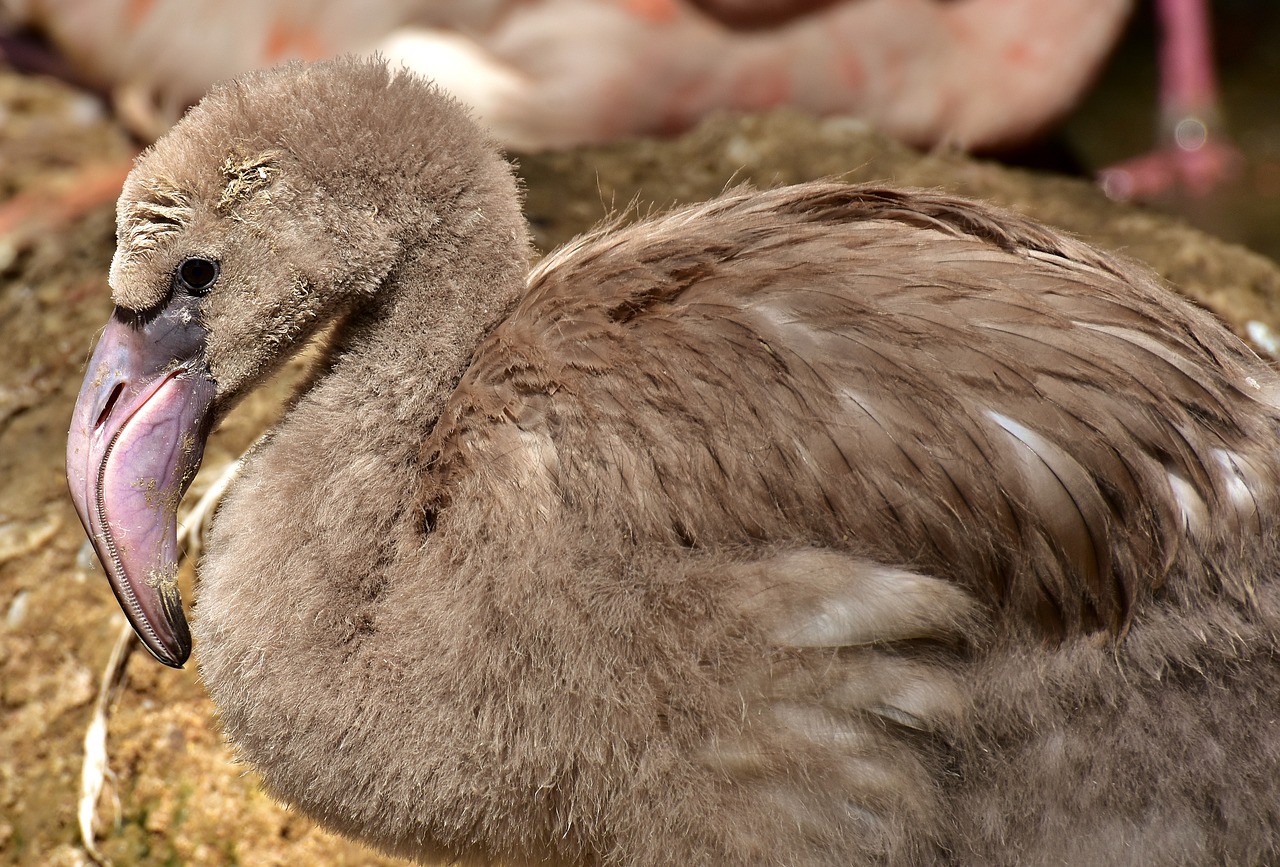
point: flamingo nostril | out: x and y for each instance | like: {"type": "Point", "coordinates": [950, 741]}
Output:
{"type": "Point", "coordinates": [110, 405]}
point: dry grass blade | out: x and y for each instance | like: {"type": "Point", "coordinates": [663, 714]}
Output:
{"type": "Point", "coordinates": [95, 769]}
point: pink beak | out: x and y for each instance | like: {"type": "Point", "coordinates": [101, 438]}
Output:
{"type": "Point", "coordinates": [137, 436]}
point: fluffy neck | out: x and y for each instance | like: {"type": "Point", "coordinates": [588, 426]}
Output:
{"type": "Point", "coordinates": [393, 364]}
{"type": "Point", "coordinates": [325, 521]}
{"type": "Point", "coordinates": [396, 360]}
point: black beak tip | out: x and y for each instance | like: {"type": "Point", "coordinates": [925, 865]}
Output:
{"type": "Point", "coordinates": [174, 655]}
{"type": "Point", "coordinates": [166, 637]}
{"type": "Point", "coordinates": [175, 663]}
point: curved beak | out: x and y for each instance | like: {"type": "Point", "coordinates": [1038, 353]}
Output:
{"type": "Point", "coordinates": [137, 436]}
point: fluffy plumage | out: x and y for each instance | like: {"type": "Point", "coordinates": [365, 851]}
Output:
{"type": "Point", "coordinates": [823, 525]}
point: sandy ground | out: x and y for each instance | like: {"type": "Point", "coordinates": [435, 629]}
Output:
{"type": "Point", "coordinates": [176, 796]}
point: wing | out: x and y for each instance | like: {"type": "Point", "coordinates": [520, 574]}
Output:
{"type": "Point", "coordinates": [863, 452]}
{"type": "Point", "coordinates": [911, 379]}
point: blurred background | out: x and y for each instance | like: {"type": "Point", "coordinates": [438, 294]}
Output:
{"type": "Point", "coordinates": [602, 102]}
{"type": "Point", "coordinates": [1114, 120]}
{"type": "Point", "coordinates": [1078, 87]}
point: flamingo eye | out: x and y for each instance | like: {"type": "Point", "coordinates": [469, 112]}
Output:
{"type": "Point", "coordinates": [197, 274]}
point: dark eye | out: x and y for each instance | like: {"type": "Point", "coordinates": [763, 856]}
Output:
{"type": "Point", "coordinates": [196, 274]}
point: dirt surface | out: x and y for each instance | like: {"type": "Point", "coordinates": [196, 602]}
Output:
{"type": "Point", "coordinates": [177, 796]}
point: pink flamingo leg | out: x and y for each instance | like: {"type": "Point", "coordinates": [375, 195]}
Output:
{"type": "Point", "coordinates": [1193, 153]}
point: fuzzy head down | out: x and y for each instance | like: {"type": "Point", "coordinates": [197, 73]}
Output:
{"type": "Point", "coordinates": [307, 185]}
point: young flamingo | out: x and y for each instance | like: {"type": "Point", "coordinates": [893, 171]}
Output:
{"type": "Point", "coordinates": [826, 525]}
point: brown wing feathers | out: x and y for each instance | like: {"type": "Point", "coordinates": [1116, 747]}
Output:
{"type": "Point", "coordinates": [925, 384]}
